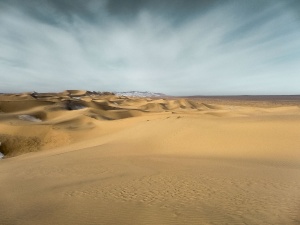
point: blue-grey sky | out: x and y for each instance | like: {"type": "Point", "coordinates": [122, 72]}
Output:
{"type": "Point", "coordinates": [177, 47]}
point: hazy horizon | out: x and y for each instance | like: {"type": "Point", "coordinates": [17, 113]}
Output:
{"type": "Point", "coordinates": [176, 48]}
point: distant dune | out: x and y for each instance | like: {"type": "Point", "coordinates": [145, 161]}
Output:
{"type": "Point", "coordinates": [81, 157]}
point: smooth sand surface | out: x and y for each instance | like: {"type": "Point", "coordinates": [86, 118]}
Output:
{"type": "Point", "coordinates": [77, 157]}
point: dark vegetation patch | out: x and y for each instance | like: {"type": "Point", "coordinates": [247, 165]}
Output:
{"type": "Point", "coordinates": [16, 145]}
{"type": "Point", "coordinates": [74, 105]}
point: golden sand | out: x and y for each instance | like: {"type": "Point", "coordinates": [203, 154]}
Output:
{"type": "Point", "coordinates": [104, 159]}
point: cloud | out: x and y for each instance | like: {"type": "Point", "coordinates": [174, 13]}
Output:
{"type": "Point", "coordinates": [228, 48]}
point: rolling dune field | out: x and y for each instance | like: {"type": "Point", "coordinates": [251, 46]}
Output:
{"type": "Point", "coordinates": [79, 157]}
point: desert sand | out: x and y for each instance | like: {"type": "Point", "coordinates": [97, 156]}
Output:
{"type": "Point", "coordinates": [80, 157]}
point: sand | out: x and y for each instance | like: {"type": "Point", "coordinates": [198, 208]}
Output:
{"type": "Point", "coordinates": [80, 157]}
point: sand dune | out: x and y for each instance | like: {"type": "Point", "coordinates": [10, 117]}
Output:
{"type": "Point", "coordinates": [80, 157]}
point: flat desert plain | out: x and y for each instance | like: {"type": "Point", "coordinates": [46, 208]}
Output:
{"type": "Point", "coordinates": [80, 157]}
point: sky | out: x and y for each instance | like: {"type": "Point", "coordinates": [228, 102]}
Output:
{"type": "Point", "coordinates": [176, 47]}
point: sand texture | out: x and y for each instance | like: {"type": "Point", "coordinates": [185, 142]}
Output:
{"type": "Point", "coordinates": [79, 157]}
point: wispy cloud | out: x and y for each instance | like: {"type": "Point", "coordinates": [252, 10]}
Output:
{"type": "Point", "coordinates": [224, 49]}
